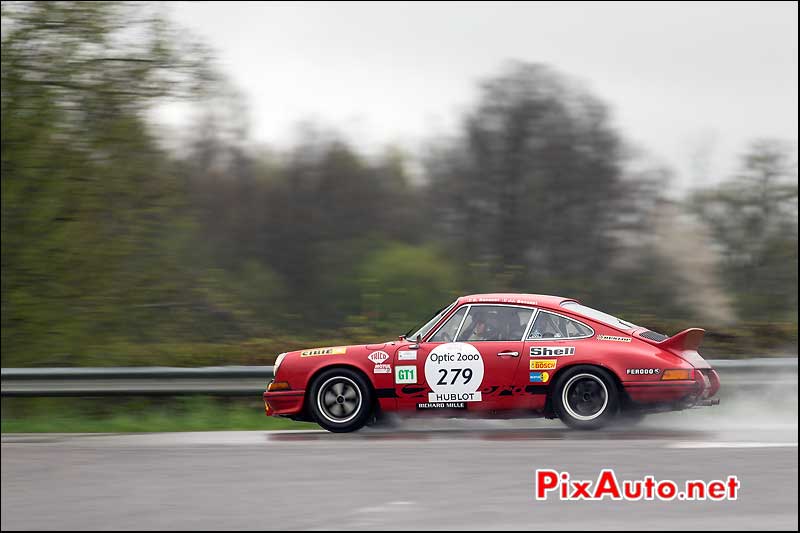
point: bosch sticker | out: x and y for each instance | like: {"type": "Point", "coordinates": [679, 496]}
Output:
{"type": "Point", "coordinates": [543, 364]}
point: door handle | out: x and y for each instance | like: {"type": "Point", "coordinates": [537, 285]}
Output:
{"type": "Point", "coordinates": [508, 354]}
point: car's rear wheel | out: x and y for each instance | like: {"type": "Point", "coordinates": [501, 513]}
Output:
{"type": "Point", "coordinates": [585, 397]}
{"type": "Point", "coordinates": [341, 400]}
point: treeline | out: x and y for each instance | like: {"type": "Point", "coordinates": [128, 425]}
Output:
{"type": "Point", "coordinates": [116, 250]}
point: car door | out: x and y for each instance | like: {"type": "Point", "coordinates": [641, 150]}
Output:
{"type": "Point", "coordinates": [469, 363]}
{"type": "Point", "coordinates": [409, 363]}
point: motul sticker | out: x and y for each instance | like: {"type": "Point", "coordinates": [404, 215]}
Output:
{"type": "Point", "coordinates": [382, 369]}
{"type": "Point", "coordinates": [378, 357]}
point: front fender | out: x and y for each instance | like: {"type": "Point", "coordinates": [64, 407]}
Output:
{"type": "Point", "coordinates": [299, 368]}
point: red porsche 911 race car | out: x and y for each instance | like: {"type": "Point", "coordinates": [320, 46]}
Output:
{"type": "Point", "coordinates": [501, 355]}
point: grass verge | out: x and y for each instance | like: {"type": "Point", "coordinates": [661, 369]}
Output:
{"type": "Point", "coordinates": [116, 415]}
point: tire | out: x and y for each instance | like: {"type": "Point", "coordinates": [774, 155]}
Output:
{"type": "Point", "coordinates": [585, 397]}
{"type": "Point", "coordinates": [340, 400]}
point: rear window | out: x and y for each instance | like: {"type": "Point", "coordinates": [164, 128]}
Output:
{"type": "Point", "coordinates": [553, 326]}
{"type": "Point", "coordinates": [598, 315]}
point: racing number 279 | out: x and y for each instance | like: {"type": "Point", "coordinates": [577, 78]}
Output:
{"type": "Point", "coordinates": [465, 373]}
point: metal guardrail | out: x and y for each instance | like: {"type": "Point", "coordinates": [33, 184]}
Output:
{"type": "Point", "coordinates": [135, 381]}
{"type": "Point", "coordinates": [252, 380]}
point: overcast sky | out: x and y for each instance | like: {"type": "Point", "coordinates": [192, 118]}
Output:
{"type": "Point", "coordinates": [681, 78]}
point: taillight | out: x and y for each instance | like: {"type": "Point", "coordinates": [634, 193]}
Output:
{"type": "Point", "coordinates": [678, 374]}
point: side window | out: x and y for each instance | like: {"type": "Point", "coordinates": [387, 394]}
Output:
{"type": "Point", "coordinates": [495, 323]}
{"type": "Point", "coordinates": [550, 326]}
{"type": "Point", "coordinates": [448, 332]}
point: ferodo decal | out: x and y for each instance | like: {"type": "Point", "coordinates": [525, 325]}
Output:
{"type": "Point", "coordinates": [552, 351]}
{"type": "Point", "coordinates": [613, 338]}
{"type": "Point", "coordinates": [454, 372]}
{"type": "Point", "coordinates": [378, 357]}
{"type": "Point", "coordinates": [336, 350]}
{"type": "Point", "coordinates": [544, 364]}
{"type": "Point", "coordinates": [540, 377]}
{"type": "Point", "coordinates": [405, 374]}
{"type": "Point", "coordinates": [643, 371]}
{"type": "Point", "coordinates": [407, 355]}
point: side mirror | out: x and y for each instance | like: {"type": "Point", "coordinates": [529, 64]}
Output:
{"type": "Point", "coordinates": [402, 338]}
{"type": "Point", "coordinates": [415, 346]}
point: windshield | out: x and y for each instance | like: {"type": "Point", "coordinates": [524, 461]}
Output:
{"type": "Point", "coordinates": [598, 315]}
{"type": "Point", "coordinates": [429, 324]}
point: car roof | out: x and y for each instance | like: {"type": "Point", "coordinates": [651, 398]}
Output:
{"type": "Point", "coordinates": [539, 300]}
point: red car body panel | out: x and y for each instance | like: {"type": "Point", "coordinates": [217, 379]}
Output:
{"type": "Point", "coordinates": [637, 363]}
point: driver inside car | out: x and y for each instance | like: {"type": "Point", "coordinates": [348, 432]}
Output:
{"type": "Point", "coordinates": [485, 327]}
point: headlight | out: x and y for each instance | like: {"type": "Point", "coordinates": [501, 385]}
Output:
{"type": "Point", "coordinates": [278, 362]}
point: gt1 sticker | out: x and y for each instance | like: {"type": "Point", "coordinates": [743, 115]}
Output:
{"type": "Point", "coordinates": [551, 351]}
{"type": "Point", "coordinates": [540, 377]}
{"type": "Point", "coordinates": [405, 374]}
{"type": "Point", "coordinates": [643, 371]}
{"type": "Point", "coordinates": [454, 372]}
{"type": "Point", "coordinates": [382, 369]}
{"type": "Point", "coordinates": [378, 357]}
{"type": "Point", "coordinates": [543, 364]}
{"type": "Point", "coordinates": [407, 355]}
{"type": "Point", "coordinates": [613, 338]}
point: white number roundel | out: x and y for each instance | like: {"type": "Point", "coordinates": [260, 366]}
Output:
{"type": "Point", "coordinates": [454, 369]}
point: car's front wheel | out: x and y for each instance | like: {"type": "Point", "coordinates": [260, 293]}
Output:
{"type": "Point", "coordinates": [585, 397]}
{"type": "Point", "coordinates": [341, 400]}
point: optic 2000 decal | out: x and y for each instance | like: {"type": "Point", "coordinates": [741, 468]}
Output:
{"type": "Point", "coordinates": [454, 371]}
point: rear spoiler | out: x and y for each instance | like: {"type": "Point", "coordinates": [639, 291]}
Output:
{"type": "Point", "coordinates": [685, 344]}
{"type": "Point", "coordinates": [686, 340]}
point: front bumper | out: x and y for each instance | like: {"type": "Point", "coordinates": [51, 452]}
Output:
{"type": "Point", "coordinates": [283, 403]}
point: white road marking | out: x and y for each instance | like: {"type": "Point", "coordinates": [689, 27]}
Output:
{"type": "Point", "coordinates": [695, 445]}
